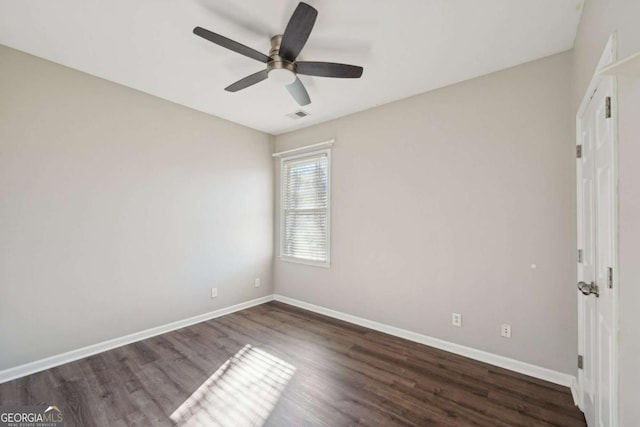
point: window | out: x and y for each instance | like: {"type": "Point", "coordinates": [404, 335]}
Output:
{"type": "Point", "coordinates": [304, 213]}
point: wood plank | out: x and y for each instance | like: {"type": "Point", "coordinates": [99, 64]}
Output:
{"type": "Point", "coordinates": [346, 375]}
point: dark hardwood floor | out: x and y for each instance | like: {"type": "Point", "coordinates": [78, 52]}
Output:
{"type": "Point", "coordinates": [317, 371]}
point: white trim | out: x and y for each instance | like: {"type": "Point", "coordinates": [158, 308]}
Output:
{"type": "Point", "coordinates": [605, 64]}
{"type": "Point", "coordinates": [609, 55]}
{"type": "Point", "coordinates": [575, 392]}
{"type": "Point", "coordinates": [482, 356]}
{"type": "Point", "coordinates": [324, 144]}
{"type": "Point", "coordinates": [627, 67]}
{"type": "Point", "coordinates": [304, 262]}
{"type": "Point", "coordinates": [70, 356]}
{"type": "Point", "coordinates": [283, 159]}
{"type": "Point", "coordinates": [539, 372]}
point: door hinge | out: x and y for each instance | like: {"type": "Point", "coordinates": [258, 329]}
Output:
{"type": "Point", "coordinates": [607, 111]}
{"type": "Point", "coordinates": [580, 362]}
{"type": "Point", "coordinates": [579, 151]}
{"type": "Point", "coordinates": [580, 256]}
{"type": "Point", "coordinates": [610, 278]}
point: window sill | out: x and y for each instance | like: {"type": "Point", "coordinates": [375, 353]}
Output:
{"type": "Point", "coordinates": [305, 262]}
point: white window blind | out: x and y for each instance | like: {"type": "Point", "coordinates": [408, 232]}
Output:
{"type": "Point", "coordinates": [305, 208]}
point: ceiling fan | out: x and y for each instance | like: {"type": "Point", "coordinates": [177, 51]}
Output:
{"type": "Point", "coordinates": [282, 66]}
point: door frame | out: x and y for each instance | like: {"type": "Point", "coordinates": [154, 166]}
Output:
{"type": "Point", "coordinates": [608, 57]}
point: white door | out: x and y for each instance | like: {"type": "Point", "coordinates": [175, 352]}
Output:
{"type": "Point", "coordinates": [597, 189]}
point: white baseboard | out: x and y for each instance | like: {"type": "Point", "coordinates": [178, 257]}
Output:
{"type": "Point", "coordinates": [70, 356]}
{"type": "Point", "coordinates": [482, 356]}
{"type": "Point", "coordinates": [574, 391]}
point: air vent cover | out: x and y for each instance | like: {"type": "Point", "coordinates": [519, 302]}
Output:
{"type": "Point", "coordinates": [298, 115]}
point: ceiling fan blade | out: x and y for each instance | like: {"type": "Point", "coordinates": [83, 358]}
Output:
{"type": "Point", "coordinates": [297, 32]}
{"type": "Point", "coordinates": [247, 81]}
{"type": "Point", "coordinates": [230, 44]}
{"type": "Point", "coordinates": [299, 93]}
{"type": "Point", "coordinates": [329, 69]}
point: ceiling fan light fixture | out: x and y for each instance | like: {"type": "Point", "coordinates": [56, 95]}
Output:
{"type": "Point", "coordinates": [282, 76]}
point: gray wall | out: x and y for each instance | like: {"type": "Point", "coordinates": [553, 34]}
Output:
{"type": "Point", "coordinates": [441, 203]}
{"type": "Point", "coordinates": [599, 19]}
{"type": "Point", "coordinates": [119, 211]}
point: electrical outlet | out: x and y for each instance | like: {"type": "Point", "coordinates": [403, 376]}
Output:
{"type": "Point", "coordinates": [257, 283]}
{"type": "Point", "coordinates": [214, 292]}
{"type": "Point", "coordinates": [456, 319]}
{"type": "Point", "coordinates": [505, 330]}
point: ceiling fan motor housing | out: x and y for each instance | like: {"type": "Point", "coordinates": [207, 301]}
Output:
{"type": "Point", "coordinates": [276, 62]}
{"type": "Point", "coordinates": [279, 69]}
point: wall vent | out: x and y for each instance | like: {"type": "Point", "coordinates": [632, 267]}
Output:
{"type": "Point", "coordinates": [298, 115]}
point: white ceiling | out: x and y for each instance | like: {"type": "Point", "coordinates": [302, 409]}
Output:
{"type": "Point", "coordinates": [405, 46]}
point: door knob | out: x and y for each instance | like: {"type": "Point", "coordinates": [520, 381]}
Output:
{"type": "Point", "coordinates": [588, 288]}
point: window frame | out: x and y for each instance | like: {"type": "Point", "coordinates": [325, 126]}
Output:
{"type": "Point", "coordinates": [295, 260]}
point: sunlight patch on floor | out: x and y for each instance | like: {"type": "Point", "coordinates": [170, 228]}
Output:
{"type": "Point", "coordinates": [242, 392]}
